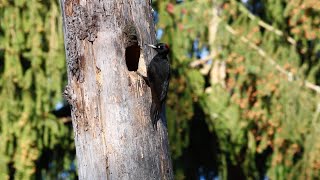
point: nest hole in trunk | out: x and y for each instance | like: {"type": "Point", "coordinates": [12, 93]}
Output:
{"type": "Point", "coordinates": [132, 56]}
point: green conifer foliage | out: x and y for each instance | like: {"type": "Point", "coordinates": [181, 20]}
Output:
{"type": "Point", "coordinates": [264, 111]}
{"type": "Point", "coordinates": [32, 65]}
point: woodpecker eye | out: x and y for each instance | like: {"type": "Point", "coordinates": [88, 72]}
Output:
{"type": "Point", "coordinates": [159, 47]}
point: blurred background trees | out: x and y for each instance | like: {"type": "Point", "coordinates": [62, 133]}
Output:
{"type": "Point", "coordinates": [244, 93]}
{"type": "Point", "coordinates": [33, 141]}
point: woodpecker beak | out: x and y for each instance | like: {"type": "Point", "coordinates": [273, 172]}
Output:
{"type": "Point", "coordinates": [153, 46]}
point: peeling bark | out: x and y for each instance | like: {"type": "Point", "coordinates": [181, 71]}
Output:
{"type": "Point", "coordinates": [104, 42]}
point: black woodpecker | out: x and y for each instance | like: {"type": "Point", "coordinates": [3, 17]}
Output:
{"type": "Point", "coordinates": [158, 72]}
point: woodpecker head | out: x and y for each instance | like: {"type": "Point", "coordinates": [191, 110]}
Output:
{"type": "Point", "coordinates": [161, 48]}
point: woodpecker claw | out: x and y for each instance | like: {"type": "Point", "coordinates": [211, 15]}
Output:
{"type": "Point", "coordinates": [144, 78]}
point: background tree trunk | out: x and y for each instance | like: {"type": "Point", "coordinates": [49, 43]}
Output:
{"type": "Point", "coordinates": [104, 43]}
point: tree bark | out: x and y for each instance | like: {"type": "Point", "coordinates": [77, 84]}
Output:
{"type": "Point", "coordinates": [105, 45]}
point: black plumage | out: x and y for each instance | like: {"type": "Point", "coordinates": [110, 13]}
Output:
{"type": "Point", "coordinates": [158, 72]}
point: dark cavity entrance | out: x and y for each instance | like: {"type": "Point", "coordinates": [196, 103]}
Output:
{"type": "Point", "coordinates": [132, 56]}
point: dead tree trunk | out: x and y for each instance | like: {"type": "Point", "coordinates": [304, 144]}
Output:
{"type": "Point", "coordinates": [104, 42]}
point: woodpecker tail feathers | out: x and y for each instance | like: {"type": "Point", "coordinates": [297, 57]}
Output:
{"type": "Point", "coordinates": [155, 115]}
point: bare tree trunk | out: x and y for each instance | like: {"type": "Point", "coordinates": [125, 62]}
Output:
{"type": "Point", "coordinates": [104, 43]}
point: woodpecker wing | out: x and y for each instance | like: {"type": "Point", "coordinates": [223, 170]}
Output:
{"type": "Point", "coordinates": [154, 81]}
{"type": "Point", "coordinates": [158, 75]}
{"type": "Point", "coordinates": [165, 85]}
